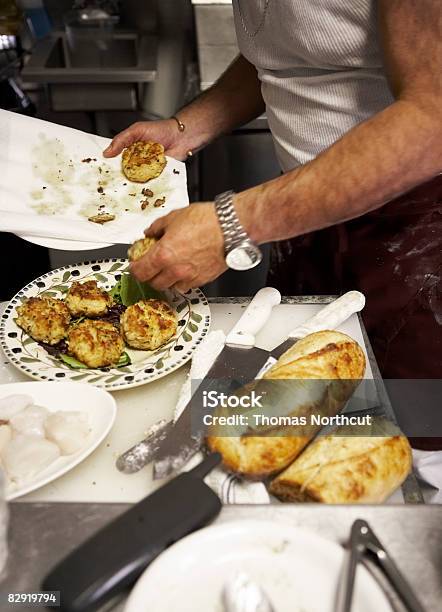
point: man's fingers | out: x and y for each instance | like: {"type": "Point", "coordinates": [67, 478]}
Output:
{"type": "Point", "coordinates": [173, 276]}
{"type": "Point", "coordinates": [122, 140]}
{"type": "Point", "coordinates": [157, 259]}
{"type": "Point", "coordinates": [184, 286]}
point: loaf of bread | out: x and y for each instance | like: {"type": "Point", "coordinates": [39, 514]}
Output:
{"type": "Point", "coordinates": [343, 468]}
{"type": "Point", "coordinates": [330, 356]}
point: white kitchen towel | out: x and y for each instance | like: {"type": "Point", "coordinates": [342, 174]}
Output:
{"type": "Point", "coordinates": [228, 487]}
{"type": "Point", "coordinates": [428, 466]}
{"type": "Point", "coordinates": [53, 178]}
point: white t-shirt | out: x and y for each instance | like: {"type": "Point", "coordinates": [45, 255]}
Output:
{"type": "Point", "coordinates": [321, 68]}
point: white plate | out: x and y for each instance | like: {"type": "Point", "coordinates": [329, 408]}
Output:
{"type": "Point", "coordinates": [192, 311]}
{"type": "Point", "coordinates": [297, 569]}
{"type": "Point", "coordinates": [101, 410]}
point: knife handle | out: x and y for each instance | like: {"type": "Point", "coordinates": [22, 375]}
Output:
{"type": "Point", "coordinates": [254, 318]}
{"type": "Point", "coordinates": [332, 315]}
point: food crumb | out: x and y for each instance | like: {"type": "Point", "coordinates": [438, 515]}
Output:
{"type": "Point", "coordinates": [101, 218]}
{"type": "Point", "coordinates": [44, 187]}
{"type": "Point", "coordinates": [147, 192]}
{"type": "Point", "coordinates": [176, 171]}
{"type": "Point", "coordinates": [133, 195]}
{"type": "Point", "coordinates": [159, 202]}
{"type": "Point", "coordinates": [87, 160]}
{"type": "Point", "coordinates": [100, 190]}
{"type": "Point", "coordinates": [144, 204]}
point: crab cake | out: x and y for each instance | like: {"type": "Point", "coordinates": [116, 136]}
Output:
{"type": "Point", "coordinates": [87, 299]}
{"type": "Point", "coordinates": [140, 248]}
{"type": "Point", "coordinates": [44, 319]}
{"type": "Point", "coordinates": [143, 161]}
{"type": "Point", "coordinates": [95, 343]}
{"type": "Point", "coordinates": [148, 324]}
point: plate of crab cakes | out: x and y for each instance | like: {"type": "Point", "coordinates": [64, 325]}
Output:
{"type": "Point", "coordinates": [94, 323]}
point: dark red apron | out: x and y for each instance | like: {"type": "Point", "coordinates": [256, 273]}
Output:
{"type": "Point", "coordinates": [394, 256]}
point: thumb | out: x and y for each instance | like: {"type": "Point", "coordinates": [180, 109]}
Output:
{"type": "Point", "coordinates": [112, 150]}
{"type": "Point", "coordinates": [123, 139]}
{"type": "Point", "coordinates": [109, 148]}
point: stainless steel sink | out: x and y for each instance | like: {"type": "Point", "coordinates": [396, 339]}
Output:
{"type": "Point", "coordinates": [108, 81]}
{"type": "Point", "coordinates": [132, 57]}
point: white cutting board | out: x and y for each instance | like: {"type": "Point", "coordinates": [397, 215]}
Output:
{"type": "Point", "coordinates": [97, 479]}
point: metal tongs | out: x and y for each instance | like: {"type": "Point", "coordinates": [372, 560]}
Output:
{"type": "Point", "coordinates": [363, 541]}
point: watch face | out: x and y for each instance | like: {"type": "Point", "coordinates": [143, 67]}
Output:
{"type": "Point", "coordinates": [244, 257]}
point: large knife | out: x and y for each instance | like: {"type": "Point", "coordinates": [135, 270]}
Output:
{"type": "Point", "coordinates": [240, 358]}
{"type": "Point", "coordinates": [111, 560]}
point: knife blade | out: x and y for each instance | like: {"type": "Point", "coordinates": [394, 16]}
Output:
{"type": "Point", "coordinates": [184, 440]}
{"type": "Point", "coordinates": [134, 459]}
{"type": "Point", "coordinates": [239, 355]}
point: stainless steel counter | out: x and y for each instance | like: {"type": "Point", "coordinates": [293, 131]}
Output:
{"type": "Point", "coordinates": [42, 534]}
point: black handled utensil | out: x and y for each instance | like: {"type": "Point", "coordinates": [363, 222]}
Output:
{"type": "Point", "coordinates": [113, 558]}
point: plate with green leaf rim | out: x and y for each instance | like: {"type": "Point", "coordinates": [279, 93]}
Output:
{"type": "Point", "coordinates": [191, 308]}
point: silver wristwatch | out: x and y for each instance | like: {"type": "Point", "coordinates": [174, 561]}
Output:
{"type": "Point", "coordinates": [240, 252]}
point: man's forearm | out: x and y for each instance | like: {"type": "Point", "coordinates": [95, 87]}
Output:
{"type": "Point", "coordinates": [375, 162]}
{"type": "Point", "coordinates": [234, 100]}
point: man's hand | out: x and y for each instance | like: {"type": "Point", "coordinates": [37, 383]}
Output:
{"type": "Point", "coordinates": [190, 250]}
{"type": "Point", "coordinates": [165, 132]}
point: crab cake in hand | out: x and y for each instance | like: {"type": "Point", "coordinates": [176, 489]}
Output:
{"type": "Point", "coordinates": [140, 248]}
{"type": "Point", "coordinates": [143, 161]}
{"type": "Point", "coordinates": [87, 299]}
{"type": "Point", "coordinates": [95, 343]}
{"type": "Point", "coordinates": [148, 324]}
{"type": "Point", "coordinates": [44, 319]}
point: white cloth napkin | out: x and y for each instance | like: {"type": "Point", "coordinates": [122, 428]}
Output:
{"type": "Point", "coordinates": [228, 487]}
{"type": "Point", "coordinates": [48, 189]}
{"type": "Point", "coordinates": [428, 466]}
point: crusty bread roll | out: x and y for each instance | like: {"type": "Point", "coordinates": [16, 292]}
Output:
{"type": "Point", "coordinates": [143, 161]}
{"type": "Point", "coordinates": [328, 355]}
{"type": "Point", "coordinates": [343, 469]}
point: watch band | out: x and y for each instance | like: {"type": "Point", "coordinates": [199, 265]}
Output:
{"type": "Point", "coordinates": [234, 233]}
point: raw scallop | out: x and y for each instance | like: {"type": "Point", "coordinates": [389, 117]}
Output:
{"type": "Point", "coordinates": [30, 421]}
{"type": "Point", "coordinates": [25, 456]}
{"type": "Point", "coordinates": [13, 404]}
{"type": "Point", "coordinates": [68, 430]}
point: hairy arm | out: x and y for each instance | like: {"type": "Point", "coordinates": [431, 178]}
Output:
{"type": "Point", "coordinates": [380, 158]}
{"type": "Point", "coordinates": [376, 161]}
